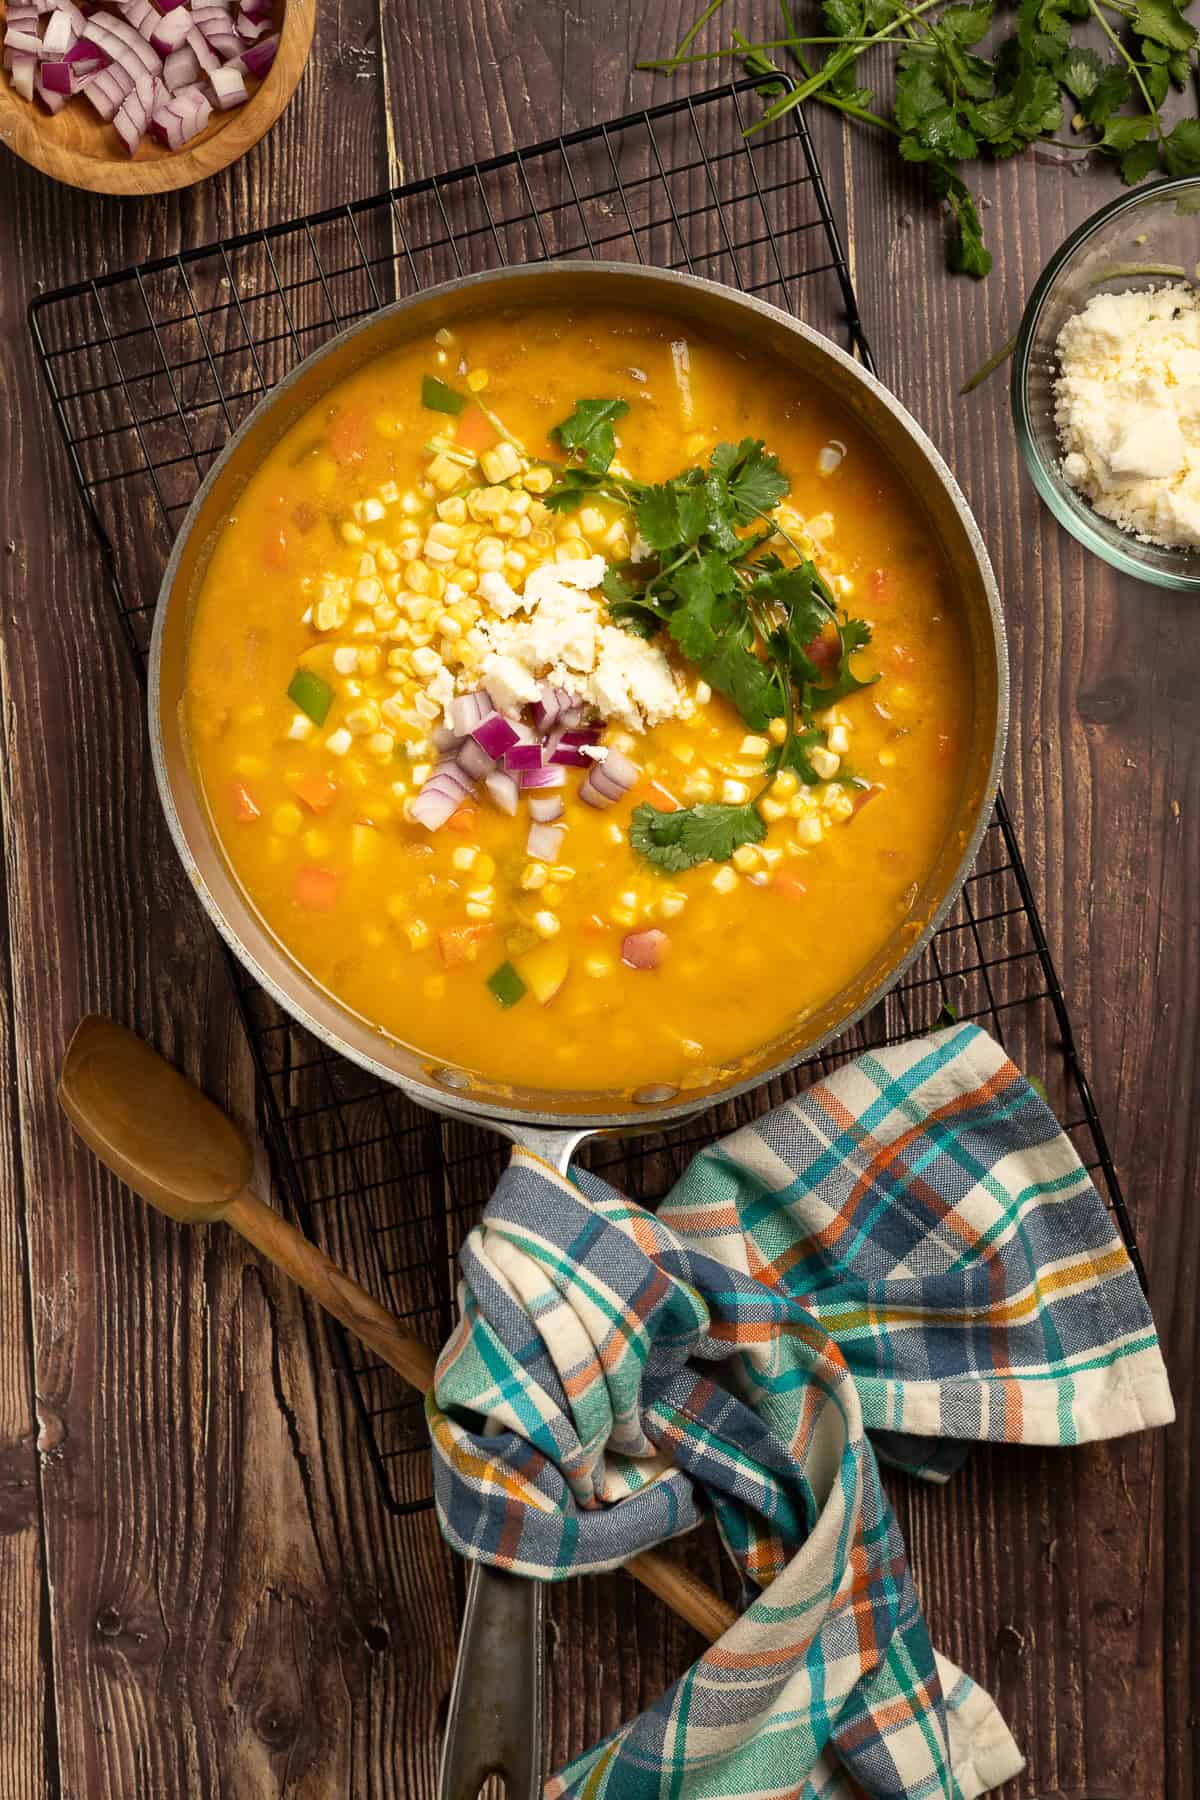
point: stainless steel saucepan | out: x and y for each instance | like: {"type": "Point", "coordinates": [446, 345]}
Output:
{"type": "Point", "coordinates": [548, 1121]}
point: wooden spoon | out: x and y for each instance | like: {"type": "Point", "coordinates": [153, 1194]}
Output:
{"type": "Point", "coordinates": [182, 1154]}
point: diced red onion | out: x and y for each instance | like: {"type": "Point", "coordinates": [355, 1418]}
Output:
{"type": "Point", "coordinates": [88, 56]}
{"type": "Point", "coordinates": [454, 773]}
{"type": "Point", "coordinates": [250, 30]}
{"type": "Point", "coordinates": [181, 69]}
{"type": "Point", "coordinates": [23, 43]}
{"type": "Point", "coordinates": [609, 781]}
{"type": "Point", "coordinates": [549, 776]}
{"type": "Point", "coordinates": [141, 15]}
{"type": "Point", "coordinates": [496, 734]}
{"type": "Point", "coordinates": [472, 757]}
{"type": "Point", "coordinates": [59, 36]}
{"type": "Point", "coordinates": [468, 711]}
{"type": "Point", "coordinates": [53, 102]}
{"type": "Point", "coordinates": [503, 790]}
{"type": "Point", "coordinates": [169, 33]}
{"type": "Point", "coordinates": [257, 59]}
{"type": "Point", "coordinates": [434, 805]}
{"type": "Point", "coordinates": [62, 79]}
{"type": "Point", "coordinates": [644, 949]}
{"type": "Point", "coordinates": [229, 88]}
{"type": "Point", "coordinates": [620, 769]}
{"type": "Point", "coordinates": [445, 739]}
{"type": "Point", "coordinates": [544, 841]}
{"type": "Point", "coordinates": [570, 755]}
{"type": "Point", "coordinates": [590, 734]}
{"type": "Point", "coordinates": [166, 6]}
{"type": "Point", "coordinates": [107, 90]}
{"type": "Point", "coordinates": [553, 703]}
{"type": "Point", "coordinates": [573, 715]}
{"type": "Point", "coordinates": [204, 53]}
{"type": "Point", "coordinates": [24, 75]}
{"type": "Point", "coordinates": [545, 808]}
{"type": "Point", "coordinates": [523, 756]}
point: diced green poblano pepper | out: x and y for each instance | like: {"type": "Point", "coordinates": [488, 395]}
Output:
{"type": "Point", "coordinates": [440, 398]}
{"type": "Point", "coordinates": [312, 695]}
{"type": "Point", "coordinates": [506, 984]}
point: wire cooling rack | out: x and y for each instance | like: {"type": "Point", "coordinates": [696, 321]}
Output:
{"type": "Point", "coordinates": [151, 370]}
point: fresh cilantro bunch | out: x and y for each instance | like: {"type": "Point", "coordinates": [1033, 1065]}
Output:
{"type": "Point", "coordinates": [762, 631]}
{"type": "Point", "coordinates": [952, 104]}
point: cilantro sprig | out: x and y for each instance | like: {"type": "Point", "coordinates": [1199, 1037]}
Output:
{"type": "Point", "coordinates": [760, 627]}
{"type": "Point", "coordinates": [975, 81]}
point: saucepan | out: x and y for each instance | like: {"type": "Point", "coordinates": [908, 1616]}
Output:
{"type": "Point", "coordinates": [548, 1122]}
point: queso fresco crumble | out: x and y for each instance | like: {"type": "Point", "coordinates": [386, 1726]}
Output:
{"type": "Point", "coordinates": [511, 706]}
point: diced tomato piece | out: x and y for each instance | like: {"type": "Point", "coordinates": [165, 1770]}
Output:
{"type": "Point", "coordinates": [475, 430]}
{"type": "Point", "coordinates": [316, 888]}
{"type": "Point", "coordinates": [275, 547]}
{"type": "Point", "coordinates": [347, 436]}
{"type": "Point", "coordinates": [862, 795]}
{"type": "Point", "coordinates": [790, 886]}
{"type": "Point", "coordinates": [824, 652]}
{"type": "Point", "coordinates": [317, 792]}
{"type": "Point", "coordinates": [657, 796]}
{"type": "Point", "coordinates": [244, 806]}
{"type": "Point", "coordinates": [463, 818]}
{"type": "Point", "coordinates": [459, 944]}
{"type": "Point", "coordinates": [644, 949]}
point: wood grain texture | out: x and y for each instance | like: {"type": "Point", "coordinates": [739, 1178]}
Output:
{"type": "Point", "coordinates": [200, 1589]}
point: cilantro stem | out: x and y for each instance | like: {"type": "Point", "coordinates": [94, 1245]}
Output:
{"type": "Point", "coordinates": [833, 65]}
{"type": "Point", "coordinates": [819, 586]}
{"type": "Point", "coordinates": [1131, 65]}
{"type": "Point", "coordinates": [994, 361]}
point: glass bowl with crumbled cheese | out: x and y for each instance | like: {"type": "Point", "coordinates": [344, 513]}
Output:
{"type": "Point", "coordinates": [1106, 384]}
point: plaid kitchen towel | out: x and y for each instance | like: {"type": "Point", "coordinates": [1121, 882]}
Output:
{"type": "Point", "coordinates": [907, 1258]}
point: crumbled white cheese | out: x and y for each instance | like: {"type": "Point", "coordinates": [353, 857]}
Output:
{"type": "Point", "coordinates": [561, 636]}
{"type": "Point", "coordinates": [1127, 407]}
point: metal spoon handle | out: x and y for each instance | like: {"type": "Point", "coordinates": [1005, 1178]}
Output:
{"type": "Point", "coordinates": [495, 1725]}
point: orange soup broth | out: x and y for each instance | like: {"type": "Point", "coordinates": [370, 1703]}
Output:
{"type": "Point", "coordinates": [343, 885]}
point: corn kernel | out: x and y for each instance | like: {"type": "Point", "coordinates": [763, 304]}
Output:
{"type": "Point", "coordinates": [287, 819]}
{"type": "Point", "coordinates": [591, 521]}
{"type": "Point", "coordinates": [533, 877]}
{"type": "Point", "coordinates": [809, 832]}
{"type": "Point", "coordinates": [562, 872]}
{"type": "Point", "coordinates": [546, 924]}
{"type": "Point", "coordinates": [841, 807]}
{"type": "Point", "coordinates": [754, 746]}
{"type": "Point", "coordinates": [824, 762]}
{"type": "Point", "coordinates": [381, 744]}
{"type": "Point", "coordinates": [449, 627]}
{"type": "Point", "coordinates": [426, 662]}
{"type": "Point", "coordinates": [734, 793]}
{"type": "Point", "coordinates": [489, 554]}
{"type": "Point", "coordinates": [500, 463]}
{"type": "Point", "coordinates": [445, 474]}
{"type": "Point", "coordinates": [339, 741]}
{"type": "Point", "coordinates": [622, 915]}
{"type": "Point", "coordinates": [886, 757]}
{"type": "Point", "coordinates": [745, 858]}
{"type": "Point", "coordinates": [839, 740]}
{"type": "Point", "coordinates": [671, 905]}
{"type": "Point", "coordinates": [777, 730]}
{"type": "Point", "coordinates": [785, 784]}
{"type": "Point", "coordinates": [300, 727]}
{"type": "Point", "coordinates": [417, 933]}
{"type": "Point", "coordinates": [444, 338]}
{"type": "Point", "coordinates": [482, 896]}
{"type": "Point", "coordinates": [572, 549]}
{"type": "Point", "coordinates": [539, 481]}
{"type": "Point", "coordinates": [464, 858]}
{"type": "Point", "coordinates": [703, 693]}
{"type": "Point", "coordinates": [372, 511]}
{"type": "Point", "coordinates": [772, 810]}
{"type": "Point", "coordinates": [362, 720]}
{"type": "Point", "coordinates": [725, 879]}
{"type": "Point", "coordinates": [368, 659]}
{"type": "Point", "coordinates": [352, 533]}
{"type": "Point", "coordinates": [418, 576]}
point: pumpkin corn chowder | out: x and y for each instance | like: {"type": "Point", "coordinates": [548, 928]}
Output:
{"type": "Point", "coordinates": [577, 703]}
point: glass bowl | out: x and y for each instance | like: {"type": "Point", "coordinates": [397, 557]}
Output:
{"type": "Point", "coordinates": [1145, 239]}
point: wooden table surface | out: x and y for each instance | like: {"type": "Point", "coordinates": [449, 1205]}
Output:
{"type": "Point", "coordinates": [200, 1590]}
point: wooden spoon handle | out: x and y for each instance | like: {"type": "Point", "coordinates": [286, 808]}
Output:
{"type": "Point", "coordinates": [182, 1154]}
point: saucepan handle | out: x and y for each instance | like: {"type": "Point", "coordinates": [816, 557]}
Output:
{"type": "Point", "coordinates": [495, 1721]}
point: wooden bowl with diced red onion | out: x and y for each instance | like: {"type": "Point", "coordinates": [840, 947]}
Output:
{"type": "Point", "coordinates": [146, 96]}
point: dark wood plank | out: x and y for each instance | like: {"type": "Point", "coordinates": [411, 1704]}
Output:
{"type": "Point", "coordinates": [226, 1597]}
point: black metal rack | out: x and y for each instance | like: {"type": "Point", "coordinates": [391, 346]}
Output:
{"type": "Point", "coordinates": [150, 371]}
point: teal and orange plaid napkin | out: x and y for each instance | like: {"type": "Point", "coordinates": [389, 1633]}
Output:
{"type": "Point", "coordinates": [907, 1258]}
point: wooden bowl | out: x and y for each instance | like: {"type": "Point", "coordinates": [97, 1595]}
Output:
{"type": "Point", "coordinates": [77, 147]}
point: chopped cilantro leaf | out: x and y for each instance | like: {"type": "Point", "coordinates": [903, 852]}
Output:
{"type": "Point", "coordinates": [588, 433]}
{"type": "Point", "coordinates": [695, 834]}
